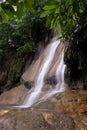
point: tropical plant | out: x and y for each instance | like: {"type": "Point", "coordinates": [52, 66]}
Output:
{"type": "Point", "coordinates": [66, 13]}
{"type": "Point", "coordinates": [19, 33]}
{"type": "Point", "coordinates": [12, 8]}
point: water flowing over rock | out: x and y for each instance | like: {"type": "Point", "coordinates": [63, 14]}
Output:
{"type": "Point", "coordinates": [44, 68]}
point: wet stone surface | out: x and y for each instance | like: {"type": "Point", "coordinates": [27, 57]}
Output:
{"type": "Point", "coordinates": [64, 111]}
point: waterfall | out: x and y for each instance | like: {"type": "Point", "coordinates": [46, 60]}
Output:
{"type": "Point", "coordinates": [36, 95]}
{"type": "Point", "coordinates": [60, 87]}
{"type": "Point", "coordinates": [60, 74]}
{"type": "Point", "coordinates": [31, 98]}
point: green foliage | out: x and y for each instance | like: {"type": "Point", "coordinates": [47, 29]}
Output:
{"type": "Point", "coordinates": [16, 8]}
{"type": "Point", "coordinates": [66, 13]}
{"type": "Point", "coordinates": [23, 50]}
{"type": "Point", "coordinates": [20, 33]}
{"type": "Point", "coordinates": [18, 38]}
{"type": "Point", "coordinates": [6, 30]}
{"type": "Point", "coordinates": [29, 4]}
{"type": "Point", "coordinates": [16, 70]}
{"type": "Point", "coordinates": [12, 8]}
{"type": "Point", "coordinates": [1, 54]}
{"type": "Point", "coordinates": [2, 45]}
{"type": "Point", "coordinates": [17, 35]}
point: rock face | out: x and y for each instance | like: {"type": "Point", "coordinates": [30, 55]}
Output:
{"type": "Point", "coordinates": [11, 69]}
{"type": "Point", "coordinates": [30, 75]}
{"type": "Point", "coordinates": [13, 96]}
{"type": "Point", "coordinates": [64, 111]}
{"type": "Point", "coordinates": [32, 120]}
{"type": "Point", "coordinates": [76, 55]}
{"type": "Point", "coordinates": [76, 61]}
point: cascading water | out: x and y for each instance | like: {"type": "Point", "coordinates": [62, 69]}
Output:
{"type": "Point", "coordinates": [60, 72]}
{"type": "Point", "coordinates": [60, 87]}
{"type": "Point", "coordinates": [32, 98]}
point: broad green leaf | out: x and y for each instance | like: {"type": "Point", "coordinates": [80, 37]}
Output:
{"type": "Point", "coordinates": [70, 11]}
{"type": "Point", "coordinates": [52, 23]}
{"type": "Point", "coordinates": [68, 3]}
{"type": "Point", "coordinates": [45, 13]}
{"type": "Point", "coordinates": [29, 5]}
{"type": "Point", "coordinates": [56, 11]}
{"type": "Point", "coordinates": [74, 18]}
{"type": "Point", "coordinates": [49, 7]}
{"type": "Point", "coordinates": [20, 7]}
{"type": "Point", "coordinates": [48, 20]}
{"type": "Point", "coordinates": [3, 15]}
{"type": "Point", "coordinates": [52, 2]}
{"type": "Point", "coordinates": [8, 7]}
{"type": "Point", "coordinates": [9, 13]}
{"type": "Point", "coordinates": [81, 11]}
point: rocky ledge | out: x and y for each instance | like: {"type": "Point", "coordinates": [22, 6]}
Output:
{"type": "Point", "coordinates": [64, 111]}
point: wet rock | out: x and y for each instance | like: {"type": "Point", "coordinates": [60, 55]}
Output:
{"type": "Point", "coordinates": [31, 120]}
{"type": "Point", "coordinates": [59, 121]}
{"type": "Point", "coordinates": [51, 80]}
{"type": "Point", "coordinates": [76, 60]}
{"type": "Point", "coordinates": [13, 96]}
{"type": "Point", "coordinates": [63, 111]}
{"type": "Point", "coordinates": [27, 84]}
{"type": "Point", "coordinates": [72, 102]}
{"type": "Point", "coordinates": [34, 69]}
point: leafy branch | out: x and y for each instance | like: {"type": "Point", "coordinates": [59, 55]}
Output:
{"type": "Point", "coordinates": [64, 13]}
{"type": "Point", "coordinates": [14, 8]}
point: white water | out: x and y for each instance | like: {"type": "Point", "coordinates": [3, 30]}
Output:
{"type": "Point", "coordinates": [60, 87]}
{"type": "Point", "coordinates": [60, 70]}
{"type": "Point", "coordinates": [60, 74]}
{"type": "Point", "coordinates": [33, 97]}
